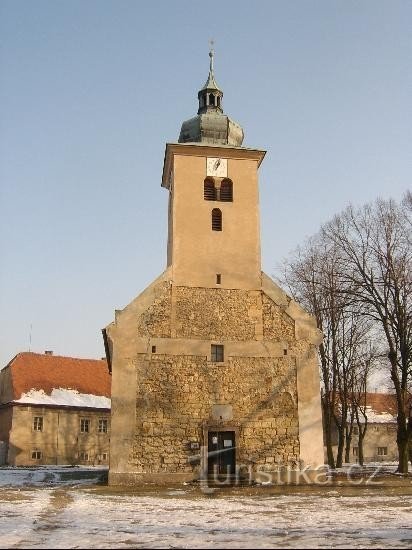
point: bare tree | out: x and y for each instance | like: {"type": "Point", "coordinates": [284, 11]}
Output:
{"type": "Point", "coordinates": [374, 245]}
{"type": "Point", "coordinates": [358, 394]}
{"type": "Point", "coordinates": [313, 278]}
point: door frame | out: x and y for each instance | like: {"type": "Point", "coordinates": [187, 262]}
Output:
{"type": "Point", "coordinates": [212, 427]}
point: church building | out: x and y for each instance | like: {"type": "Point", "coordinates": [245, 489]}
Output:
{"type": "Point", "coordinates": [214, 367]}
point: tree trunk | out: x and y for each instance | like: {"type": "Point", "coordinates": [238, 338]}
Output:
{"type": "Point", "coordinates": [328, 433]}
{"type": "Point", "coordinates": [341, 444]}
{"type": "Point", "coordinates": [403, 450]}
{"type": "Point", "coordinates": [348, 441]}
{"type": "Point", "coordinates": [360, 448]}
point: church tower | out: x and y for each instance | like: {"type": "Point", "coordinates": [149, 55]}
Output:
{"type": "Point", "coordinates": [214, 367]}
{"type": "Point", "coordinates": [214, 238]}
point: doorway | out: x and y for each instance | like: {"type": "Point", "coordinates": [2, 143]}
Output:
{"type": "Point", "coordinates": [221, 454]}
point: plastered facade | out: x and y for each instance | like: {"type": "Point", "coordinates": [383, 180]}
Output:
{"type": "Point", "coordinates": [60, 441]}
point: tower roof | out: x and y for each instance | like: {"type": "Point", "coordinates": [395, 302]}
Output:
{"type": "Point", "coordinates": [210, 83]}
{"type": "Point", "coordinates": [211, 125]}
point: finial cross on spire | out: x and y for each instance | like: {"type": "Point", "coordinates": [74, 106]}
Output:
{"type": "Point", "coordinates": [211, 54]}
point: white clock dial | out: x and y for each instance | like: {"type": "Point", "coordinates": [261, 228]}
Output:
{"type": "Point", "coordinates": [216, 167]}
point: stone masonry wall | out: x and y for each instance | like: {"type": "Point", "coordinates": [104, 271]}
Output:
{"type": "Point", "coordinates": [276, 324]}
{"type": "Point", "coordinates": [216, 313]}
{"type": "Point", "coordinates": [155, 321]}
{"type": "Point", "coordinates": [175, 395]}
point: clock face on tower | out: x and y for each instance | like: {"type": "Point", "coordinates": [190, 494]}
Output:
{"type": "Point", "coordinates": [216, 167]}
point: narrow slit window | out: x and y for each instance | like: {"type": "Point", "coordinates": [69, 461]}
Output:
{"type": "Point", "coordinates": [216, 219]}
{"type": "Point", "coordinates": [153, 349]}
{"type": "Point", "coordinates": [226, 191]}
{"type": "Point", "coordinates": [218, 278]}
{"type": "Point", "coordinates": [209, 190]}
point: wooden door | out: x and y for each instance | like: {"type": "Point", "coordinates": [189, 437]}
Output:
{"type": "Point", "coordinates": [221, 454]}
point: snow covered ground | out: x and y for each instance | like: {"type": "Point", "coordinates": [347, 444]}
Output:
{"type": "Point", "coordinates": [51, 475]}
{"type": "Point", "coordinates": [183, 517]}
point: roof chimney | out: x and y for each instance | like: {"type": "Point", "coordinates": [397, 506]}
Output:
{"type": "Point", "coordinates": [48, 352]}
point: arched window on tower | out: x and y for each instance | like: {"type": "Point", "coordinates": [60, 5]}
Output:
{"type": "Point", "coordinates": [216, 219]}
{"type": "Point", "coordinates": [218, 101]}
{"type": "Point", "coordinates": [209, 190]}
{"type": "Point", "coordinates": [226, 191]}
{"type": "Point", "coordinates": [211, 100]}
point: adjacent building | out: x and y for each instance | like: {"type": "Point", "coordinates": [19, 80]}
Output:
{"type": "Point", "coordinates": [54, 410]}
{"type": "Point", "coordinates": [379, 443]}
{"type": "Point", "coordinates": [214, 367]}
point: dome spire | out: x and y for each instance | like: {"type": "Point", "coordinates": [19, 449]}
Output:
{"type": "Point", "coordinates": [211, 54]}
{"type": "Point", "coordinates": [210, 96]}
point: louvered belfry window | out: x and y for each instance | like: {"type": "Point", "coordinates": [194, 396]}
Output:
{"type": "Point", "coordinates": [216, 219]}
{"type": "Point", "coordinates": [209, 190]}
{"type": "Point", "coordinates": [226, 191]}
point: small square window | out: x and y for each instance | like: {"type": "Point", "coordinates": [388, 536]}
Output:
{"type": "Point", "coordinates": [38, 423]}
{"type": "Point", "coordinates": [217, 355]}
{"type": "Point", "coordinates": [102, 426]}
{"type": "Point", "coordinates": [36, 455]}
{"type": "Point", "coordinates": [85, 425]}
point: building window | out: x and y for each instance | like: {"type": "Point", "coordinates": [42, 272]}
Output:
{"type": "Point", "coordinates": [226, 191]}
{"type": "Point", "coordinates": [153, 349]}
{"type": "Point", "coordinates": [102, 426]}
{"type": "Point", "coordinates": [217, 355]}
{"type": "Point", "coordinates": [209, 190]}
{"type": "Point", "coordinates": [104, 456]}
{"type": "Point", "coordinates": [84, 425]}
{"type": "Point", "coordinates": [355, 451]}
{"type": "Point", "coordinates": [216, 219]}
{"type": "Point", "coordinates": [355, 430]}
{"type": "Point", "coordinates": [382, 451]}
{"type": "Point", "coordinates": [218, 278]}
{"type": "Point", "coordinates": [38, 423]}
{"type": "Point", "coordinates": [36, 455]}
{"type": "Point", "coordinates": [84, 456]}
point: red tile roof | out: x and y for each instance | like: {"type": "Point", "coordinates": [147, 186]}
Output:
{"type": "Point", "coordinates": [382, 403]}
{"type": "Point", "coordinates": [44, 372]}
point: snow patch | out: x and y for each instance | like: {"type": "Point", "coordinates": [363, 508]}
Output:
{"type": "Point", "coordinates": [379, 418]}
{"type": "Point", "coordinates": [65, 397]}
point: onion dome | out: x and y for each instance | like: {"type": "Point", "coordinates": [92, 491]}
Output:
{"type": "Point", "coordinates": [211, 125]}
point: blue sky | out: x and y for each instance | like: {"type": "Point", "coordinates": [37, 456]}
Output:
{"type": "Point", "coordinates": [91, 92]}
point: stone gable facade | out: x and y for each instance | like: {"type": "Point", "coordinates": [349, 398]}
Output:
{"type": "Point", "coordinates": [178, 394]}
